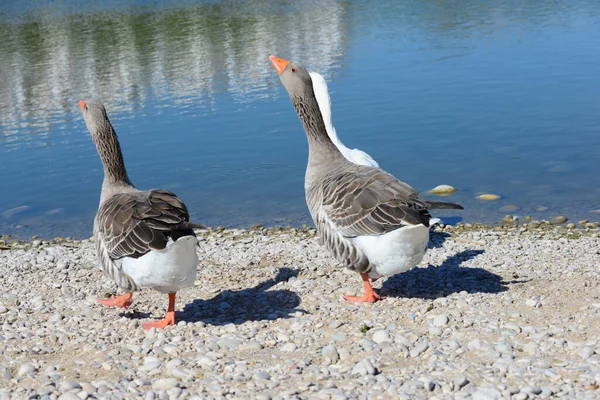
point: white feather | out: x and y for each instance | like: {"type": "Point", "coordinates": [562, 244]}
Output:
{"type": "Point", "coordinates": [322, 94]}
{"type": "Point", "coordinates": [166, 270]}
{"type": "Point", "coordinates": [396, 251]}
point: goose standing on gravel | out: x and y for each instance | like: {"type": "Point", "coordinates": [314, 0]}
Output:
{"type": "Point", "coordinates": [143, 238]}
{"type": "Point", "coordinates": [322, 95]}
{"type": "Point", "coordinates": [373, 223]}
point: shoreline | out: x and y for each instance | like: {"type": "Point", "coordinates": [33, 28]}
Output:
{"type": "Point", "coordinates": [505, 312]}
{"type": "Point", "coordinates": [509, 223]}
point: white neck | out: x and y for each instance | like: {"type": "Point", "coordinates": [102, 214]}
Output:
{"type": "Point", "coordinates": [322, 95]}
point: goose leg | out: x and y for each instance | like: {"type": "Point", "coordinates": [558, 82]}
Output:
{"type": "Point", "coordinates": [370, 296]}
{"type": "Point", "coordinates": [122, 301]}
{"type": "Point", "coordinates": [169, 318]}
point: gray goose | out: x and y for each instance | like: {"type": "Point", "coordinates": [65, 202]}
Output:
{"type": "Point", "coordinates": [373, 223]}
{"type": "Point", "coordinates": [143, 238]}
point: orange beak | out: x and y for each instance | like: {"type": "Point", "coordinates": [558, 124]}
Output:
{"type": "Point", "coordinates": [82, 104]}
{"type": "Point", "coordinates": [279, 63]}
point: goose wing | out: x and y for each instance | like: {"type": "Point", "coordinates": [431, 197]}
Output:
{"type": "Point", "coordinates": [369, 201]}
{"type": "Point", "coordinates": [132, 224]}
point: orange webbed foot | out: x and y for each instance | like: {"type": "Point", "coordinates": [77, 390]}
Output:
{"type": "Point", "coordinates": [370, 296]}
{"type": "Point", "coordinates": [367, 298]}
{"type": "Point", "coordinates": [160, 324]}
{"type": "Point", "coordinates": [122, 301]}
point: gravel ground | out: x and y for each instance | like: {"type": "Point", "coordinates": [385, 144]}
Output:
{"type": "Point", "coordinates": [506, 312]}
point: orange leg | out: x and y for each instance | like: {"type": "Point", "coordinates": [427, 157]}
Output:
{"type": "Point", "coordinates": [122, 301]}
{"type": "Point", "coordinates": [169, 318]}
{"type": "Point", "coordinates": [370, 296]}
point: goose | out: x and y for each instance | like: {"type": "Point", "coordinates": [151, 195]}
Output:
{"type": "Point", "coordinates": [371, 222]}
{"type": "Point", "coordinates": [322, 95]}
{"type": "Point", "coordinates": [143, 239]}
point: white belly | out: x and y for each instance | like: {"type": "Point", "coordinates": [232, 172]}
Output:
{"type": "Point", "coordinates": [166, 270]}
{"type": "Point", "coordinates": [396, 251]}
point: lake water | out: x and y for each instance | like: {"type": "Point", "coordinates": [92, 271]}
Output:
{"type": "Point", "coordinates": [488, 96]}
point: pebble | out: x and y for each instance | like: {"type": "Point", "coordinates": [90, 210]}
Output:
{"type": "Point", "coordinates": [561, 219]}
{"type": "Point", "coordinates": [262, 375]}
{"type": "Point", "coordinates": [288, 347]}
{"type": "Point", "coordinates": [419, 349]}
{"type": "Point", "coordinates": [488, 196]}
{"type": "Point", "coordinates": [69, 396]}
{"type": "Point", "coordinates": [457, 326]}
{"type": "Point", "coordinates": [25, 369]}
{"type": "Point", "coordinates": [164, 384]}
{"type": "Point", "coordinates": [441, 320]}
{"type": "Point", "coordinates": [364, 367]}
{"type": "Point", "coordinates": [443, 190]}
{"type": "Point", "coordinates": [69, 385]}
{"type": "Point", "coordinates": [509, 209]}
{"type": "Point", "coordinates": [381, 336]}
{"type": "Point", "coordinates": [229, 343]}
{"type": "Point", "coordinates": [330, 352]}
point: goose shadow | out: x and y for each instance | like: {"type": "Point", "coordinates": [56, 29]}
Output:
{"type": "Point", "coordinates": [435, 282]}
{"type": "Point", "coordinates": [250, 304]}
{"type": "Point", "coordinates": [437, 239]}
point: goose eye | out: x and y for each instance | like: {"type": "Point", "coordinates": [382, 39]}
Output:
{"type": "Point", "coordinates": [293, 69]}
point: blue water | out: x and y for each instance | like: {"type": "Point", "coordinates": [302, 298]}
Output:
{"type": "Point", "coordinates": [488, 96]}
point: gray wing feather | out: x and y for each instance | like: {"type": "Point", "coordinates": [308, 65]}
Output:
{"type": "Point", "coordinates": [369, 201]}
{"type": "Point", "coordinates": [132, 224]}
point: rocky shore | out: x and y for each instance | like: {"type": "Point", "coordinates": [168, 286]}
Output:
{"type": "Point", "coordinates": [511, 311]}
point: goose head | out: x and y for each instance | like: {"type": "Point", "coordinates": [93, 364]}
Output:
{"type": "Point", "coordinates": [94, 115]}
{"type": "Point", "coordinates": [295, 78]}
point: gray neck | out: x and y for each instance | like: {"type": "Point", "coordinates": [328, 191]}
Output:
{"type": "Point", "coordinates": [107, 144]}
{"type": "Point", "coordinates": [321, 150]}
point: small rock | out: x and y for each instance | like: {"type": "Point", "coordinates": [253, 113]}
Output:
{"type": "Point", "coordinates": [441, 320]}
{"type": "Point", "coordinates": [69, 396]}
{"type": "Point", "coordinates": [419, 349]}
{"type": "Point", "coordinates": [165, 384]}
{"type": "Point", "coordinates": [206, 362]}
{"type": "Point", "coordinates": [531, 348]}
{"type": "Point", "coordinates": [69, 385]}
{"type": "Point", "coordinates": [364, 367]}
{"type": "Point", "coordinates": [339, 337]}
{"type": "Point", "coordinates": [381, 336]}
{"type": "Point", "coordinates": [330, 352]}
{"type": "Point", "coordinates": [561, 219]}
{"type": "Point", "coordinates": [488, 197]}
{"type": "Point", "coordinates": [531, 302]}
{"type": "Point", "coordinates": [443, 190]}
{"type": "Point", "coordinates": [229, 343]}
{"type": "Point", "coordinates": [460, 381]}
{"type": "Point", "coordinates": [262, 375]}
{"type": "Point", "coordinates": [25, 369]}
{"type": "Point", "coordinates": [288, 347]}
{"type": "Point", "coordinates": [586, 352]}
{"type": "Point", "coordinates": [509, 209]}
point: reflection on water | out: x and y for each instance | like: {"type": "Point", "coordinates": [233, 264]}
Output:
{"type": "Point", "coordinates": [490, 96]}
{"type": "Point", "coordinates": [129, 57]}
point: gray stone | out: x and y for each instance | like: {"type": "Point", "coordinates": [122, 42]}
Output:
{"type": "Point", "coordinates": [364, 367]}
{"type": "Point", "coordinates": [330, 352]}
{"type": "Point", "coordinates": [165, 384]}
{"type": "Point", "coordinates": [441, 320]}
{"type": "Point", "coordinates": [262, 375]}
{"type": "Point", "coordinates": [381, 336]}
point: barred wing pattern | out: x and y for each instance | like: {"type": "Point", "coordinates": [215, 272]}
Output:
{"type": "Point", "coordinates": [362, 201]}
{"type": "Point", "coordinates": [132, 224]}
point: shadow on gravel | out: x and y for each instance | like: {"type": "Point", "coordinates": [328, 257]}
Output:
{"type": "Point", "coordinates": [437, 239]}
{"type": "Point", "coordinates": [434, 282]}
{"type": "Point", "coordinates": [250, 304]}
